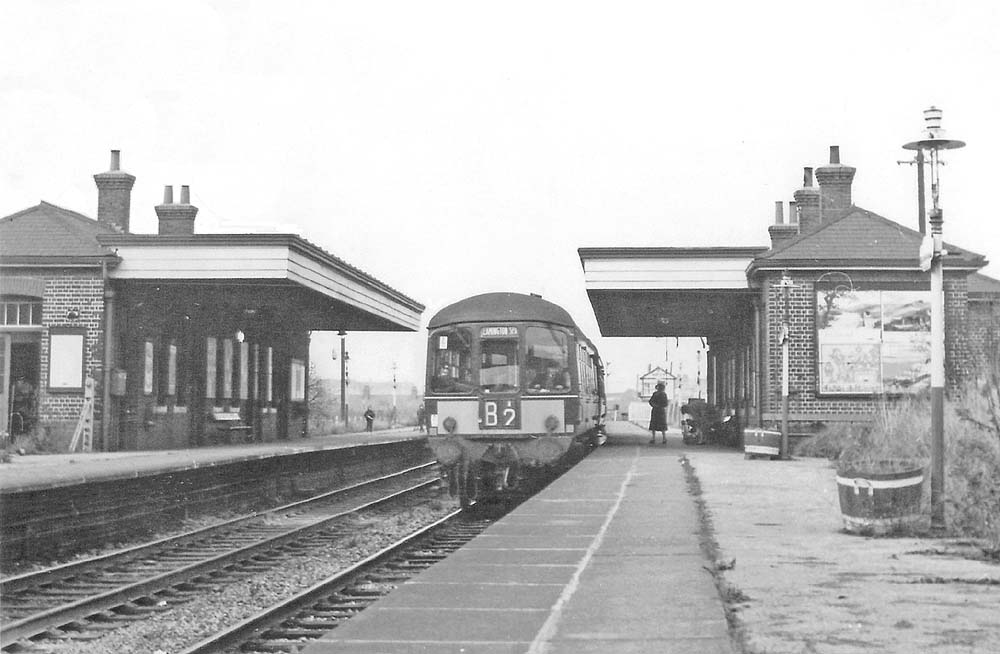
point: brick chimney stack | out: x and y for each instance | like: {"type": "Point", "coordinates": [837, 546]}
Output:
{"type": "Point", "coordinates": [781, 231]}
{"type": "Point", "coordinates": [176, 218]}
{"type": "Point", "coordinates": [114, 195]}
{"type": "Point", "coordinates": [834, 184]}
{"type": "Point", "coordinates": [807, 200]}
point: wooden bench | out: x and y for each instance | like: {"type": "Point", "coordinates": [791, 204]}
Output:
{"type": "Point", "coordinates": [228, 422]}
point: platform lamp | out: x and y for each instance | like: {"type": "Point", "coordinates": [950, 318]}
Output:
{"type": "Point", "coordinates": [931, 253]}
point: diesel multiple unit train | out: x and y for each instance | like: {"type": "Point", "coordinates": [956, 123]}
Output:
{"type": "Point", "coordinates": [513, 386]}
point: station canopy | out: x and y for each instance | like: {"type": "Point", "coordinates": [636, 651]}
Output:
{"type": "Point", "coordinates": [683, 292]}
{"type": "Point", "coordinates": [280, 273]}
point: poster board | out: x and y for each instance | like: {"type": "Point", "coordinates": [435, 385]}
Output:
{"type": "Point", "coordinates": [872, 341]}
{"type": "Point", "coordinates": [66, 358]}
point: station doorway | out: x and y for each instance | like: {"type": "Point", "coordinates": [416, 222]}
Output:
{"type": "Point", "coordinates": [19, 368]}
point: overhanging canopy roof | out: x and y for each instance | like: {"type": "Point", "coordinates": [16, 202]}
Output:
{"type": "Point", "coordinates": [669, 291]}
{"type": "Point", "coordinates": [280, 271]}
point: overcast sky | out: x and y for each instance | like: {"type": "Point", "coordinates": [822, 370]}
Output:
{"type": "Point", "coordinates": [453, 148]}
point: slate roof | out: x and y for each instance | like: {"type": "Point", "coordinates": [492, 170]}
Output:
{"type": "Point", "coordinates": [983, 286]}
{"type": "Point", "coordinates": [46, 234]}
{"type": "Point", "coordinates": [858, 237]}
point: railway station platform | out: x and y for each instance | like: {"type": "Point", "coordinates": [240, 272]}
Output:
{"type": "Point", "coordinates": [45, 471]}
{"type": "Point", "coordinates": [605, 559]}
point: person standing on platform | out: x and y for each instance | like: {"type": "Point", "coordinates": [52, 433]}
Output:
{"type": "Point", "coordinates": [369, 419]}
{"type": "Point", "coordinates": [658, 415]}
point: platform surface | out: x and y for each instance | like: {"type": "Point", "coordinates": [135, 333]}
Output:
{"type": "Point", "coordinates": [605, 559]}
{"type": "Point", "coordinates": [41, 471]}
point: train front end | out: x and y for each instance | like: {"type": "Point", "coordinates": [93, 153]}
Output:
{"type": "Point", "coordinates": [512, 388]}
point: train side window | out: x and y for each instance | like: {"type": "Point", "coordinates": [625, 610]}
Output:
{"type": "Point", "coordinates": [547, 361]}
{"type": "Point", "coordinates": [452, 361]}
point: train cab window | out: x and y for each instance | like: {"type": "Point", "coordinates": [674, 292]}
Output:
{"type": "Point", "coordinates": [547, 360]}
{"type": "Point", "coordinates": [499, 368]}
{"type": "Point", "coordinates": [451, 370]}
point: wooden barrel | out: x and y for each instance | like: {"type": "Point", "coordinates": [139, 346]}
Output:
{"type": "Point", "coordinates": [879, 503]}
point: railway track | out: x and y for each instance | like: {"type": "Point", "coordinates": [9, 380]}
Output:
{"type": "Point", "coordinates": [291, 624]}
{"type": "Point", "coordinates": [84, 598]}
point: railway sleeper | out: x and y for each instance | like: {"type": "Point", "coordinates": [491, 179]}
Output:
{"type": "Point", "coordinates": [25, 646]}
{"type": "Point", "coordinates": [151, 602]}
{"type": "Point", "coordinates": [345, 604]}
{"type": "Point", "coordinates": [51, 634]}
{"type": "Point", "coordinates": [97, 629]}
{"type": "Point", "coordinates": [135, 608]}
{"type": "Point", "coordinates": [268, 647]}
{"type": "Point", "coordinates": [292, 633]}
{"type": "Point", "coordinates": [321, 623]}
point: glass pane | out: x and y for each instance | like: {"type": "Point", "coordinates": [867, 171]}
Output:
{"type": "Point", "coordinates": [547, 361]}
{"type": "Point", "coordinates": [452, 361]}
{"type": "Point", "coordinates": [498, 366]}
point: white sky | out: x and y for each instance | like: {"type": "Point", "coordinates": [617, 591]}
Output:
{"type": "Point", "coordinates": [452, 148]}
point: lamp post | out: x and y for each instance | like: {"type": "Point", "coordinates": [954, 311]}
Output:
{"type": "Point", "coordinates": [934, 141]}
{"type": "Point", "coordinates": [392, 420]}
{"type": "Point", "coordinates": [786, 285]}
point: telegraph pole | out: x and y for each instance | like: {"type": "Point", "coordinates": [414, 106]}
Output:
{"type": "Point", "coordinates": [919, 162]}
{"type": "Point", "coordinates": [343, 376]}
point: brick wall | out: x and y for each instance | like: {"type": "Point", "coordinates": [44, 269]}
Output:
{"type": "Point", "coordinates": [802, 334]}
{"type": "Point", "coordinates": [983, 329]}
{"type": "Point", "coordinates": [81, 290]}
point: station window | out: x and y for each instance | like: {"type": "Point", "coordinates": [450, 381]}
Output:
{"type": "Point", "coordinates": [451, 363]}
{"type": "Point", "coordinates": [15, 310]}
{"type": "Point", "coordinates": [244, 371]}
{"type": "Point", "coordinates": [147, 368]}
{"type": "Point", "coordinates": [547, 361]}
{"type": "Point", "coordinates": [227, 368]}
{"type": "Point", "coordinates": [166, 377]}
{"type": "Point", "coordinates": [211, 365]}
{"type": "Point", "coordinates": [269, 375]}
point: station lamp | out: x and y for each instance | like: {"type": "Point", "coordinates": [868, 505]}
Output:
{"type": "Point", "coordinates": [934, 140]}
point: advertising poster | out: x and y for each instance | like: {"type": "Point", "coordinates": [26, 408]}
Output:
{"type": "Point", "coordinates": [872, 341]}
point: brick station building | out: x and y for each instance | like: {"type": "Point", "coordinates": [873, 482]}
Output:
{"type": "Point", "coordinates": [843, 284]}
{"type": "Point", "coordinates": [172, 339]}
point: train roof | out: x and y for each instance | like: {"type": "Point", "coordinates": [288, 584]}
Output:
{"type": "Point", "coordinates": [501, 306]}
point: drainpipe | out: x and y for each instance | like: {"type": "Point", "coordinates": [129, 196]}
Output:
{"type": "Point", "coordinates": [109, 321]}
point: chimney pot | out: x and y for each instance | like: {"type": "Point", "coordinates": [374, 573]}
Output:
{"type": "Point", "coordinates": [114, 195]}
{"type": "Point", "coordinates": [176, 219]}
{"type": "Point", "coordinates": [807, 177]}
{"type": "Point", "coordinates": [779, 213]}
{"type": "Point", "coordinates": [834, 185]}
{"type": "Point", "coordinates": [793, 213]}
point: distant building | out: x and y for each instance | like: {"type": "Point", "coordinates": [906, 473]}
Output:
{"type": "Point", "coordinates": [174, 339]}
{"type": "Point", "coordinates": [646, 384]}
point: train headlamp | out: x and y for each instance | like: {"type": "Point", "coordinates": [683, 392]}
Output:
{"type": "Point", "coordinates": [551, 424]}
{"type": "Point", "coordinates": [450, 425]}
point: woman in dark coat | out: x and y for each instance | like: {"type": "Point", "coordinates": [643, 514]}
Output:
{"type": "Point", "coordinates": [658, 416]}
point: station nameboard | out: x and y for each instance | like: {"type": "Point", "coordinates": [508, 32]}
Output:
{"type": "Point", "coordinates": [500, 331]}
